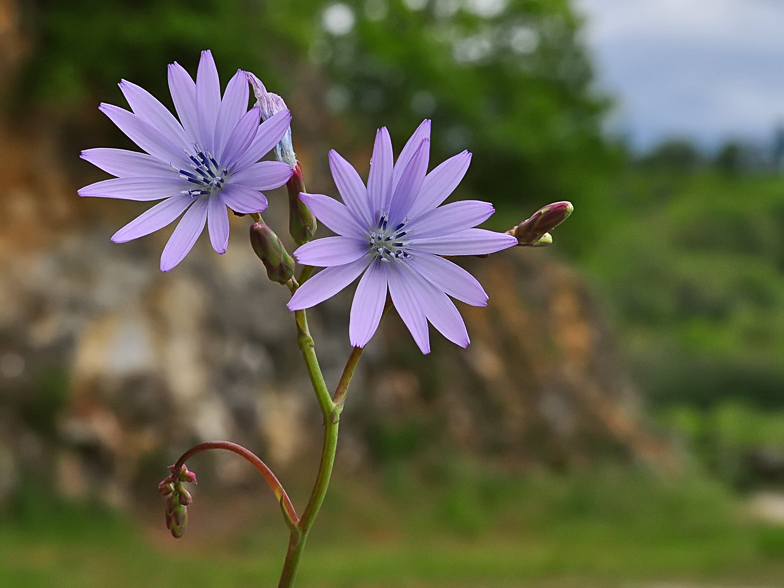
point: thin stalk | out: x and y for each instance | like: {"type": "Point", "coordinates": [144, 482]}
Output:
{"type": "Point", "coordinates": [277, 488]}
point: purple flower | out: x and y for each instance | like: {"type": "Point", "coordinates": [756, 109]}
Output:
{"type": "Point", "coordinates": [394, 231]}
{"type": "Point", "coordinates": [199, 165]}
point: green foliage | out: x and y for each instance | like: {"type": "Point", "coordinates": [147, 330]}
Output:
{"type": "Point", "coordinates": [692, 266]}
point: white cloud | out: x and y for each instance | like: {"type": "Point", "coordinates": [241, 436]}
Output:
{"type": "Point", "coordinates": [709, 69]}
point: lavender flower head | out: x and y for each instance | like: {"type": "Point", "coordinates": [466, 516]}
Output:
{"type": "Point", "coordinates": [394, 230]}
{"type": "Point", "coordinates": [199, 165]}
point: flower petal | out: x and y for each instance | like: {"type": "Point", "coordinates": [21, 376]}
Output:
{"type": "Point", "coordinates": [450, 218]}
{"type": "Point", "coordinates": [150, 110]}
{"type": "Point", "coordinates": [327, 283]}
{"type": "Point", "coordinates": [183, 93]}
{"type": "Point", "coordinates": [157, 217]}
{"type": "Point", "coordinates": [135, 188]}
{"type": "Point", "coordinates": [334, 215]}
{"type": "Point", "coordinates": [267, 136]}
{"type": "Point", "coordinates": [439, 309]}
{"type": "Point", "coordinates": [208, 99]}
{"type": "Point", "coordinates": [380, 177]}
{"type": "Point", "coordinates": [128, 164]}
{"type": "Point", "coordinates": [233, 106]}
{"type": "Point", "coordinates": [449, 277]}
{"type": "Point", "coordinates": [145, 135]}
{"type": "Point", "coordinates": [331, 251]}
{"type": "Point", "coordinates": [368, 304]}
{"type": "Point", "coordinates": [410, 183]}
{"type": "Point", "coordinates": [243, 199]}
{"type": "Point", "coordinates": [264, 175]}
{"type": "Point", "coordinates": [241, 137]}
{"type": "Point", "coordinates": [440, 183]}
{"type": "Point", "coordinates": [405, 297]}
{"type": "Point", "coordinates": [185, 234]}
{"type": "Point", "coordinates": [468, 242]}
{"type": "Point", "coordinates": [422, 132]}
{"type": "Point", "coordinates": [351, 188]}
{"type": "Point", "coordinates": [218, 223]}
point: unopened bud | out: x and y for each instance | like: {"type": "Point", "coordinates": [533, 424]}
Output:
{"type": "Point", "coordinates": [270, 104]}
{"type": "Point", "coordinates": [187, 476]}
{"type": "Point", "coordinates": [302, 223]}
{"type": "Point", "coordinates": [166, 488]}
{"type": "Point", "coordinates": [184, 497]}
{"type": "Point", "coordinates": [269, 249]}
{"type": "Point", "coordinates": [179, 521]}
{"type": "Point", "coordinates": [534, 232]}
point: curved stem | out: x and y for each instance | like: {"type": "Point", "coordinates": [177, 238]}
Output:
{"type": "Point", "coordinates": [277, 488]}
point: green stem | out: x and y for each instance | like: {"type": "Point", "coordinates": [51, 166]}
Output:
{"type": "Point", "coordinates": [331, 421]}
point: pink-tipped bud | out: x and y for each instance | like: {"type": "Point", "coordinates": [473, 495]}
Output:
{"type": "Point", "coordinates": [270, 250]}
{"type": "Point", "coordinates": [187, 476]}
{"type": "Point", "coordinates": [302, 223]}
{"type": "Point", "coordinates": [534, 232]}
{"type": "Point", "coordinates": [166, 488]}
{"type": "Point", "coordinates": [184, 497]}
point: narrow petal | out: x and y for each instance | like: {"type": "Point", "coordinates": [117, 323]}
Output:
{"type": "Point", "coordinates": [439, 309]}
{"type": "Point", "coordinates": [410, 183]}
{"type": "Point", "coordinates": [368, 304]}
{"type": "Point", "coordinates": [233, 106]}
{"type": "Point", "coordinates": [243, 200]}
{"type": "Point", "coordinates": [326, 284]}
{"type": "Point", "coordinates": [241, 137]}
{"type": "Point", "coordinates": [380, 176]}
{"type": "Point", "coordinates": [264, 175]}
{"type": "Point", "coordinates": [351, 187]}
{"type": "Point", "coordinates": [135, 188]}
{"type": "Point", "coordinates": [185, 234]}
{"type": "Point", "coordinates": [334, 215]}
{"type": "Point", "coordinates": [449, 277]}
{"type": "Point", "coordinates": [150, 110]}
{"type": "Point", "coordinates": [128, 164]}
{"type": "Point", "coordinates": [422, 132]}
{"type": "Point", "coordinates": [405, 297]}
{"type": "Point", "coordinates": [468, 242]}
{"type": "Point", "coordinates": [331, 251]}
{"type": "Point", "coordinates": [145, 135]}
{"type": "Point", "coordinates": [267, 136]}
{"type": "Point", "coordinates": [154, 219]}
{"type": "Point", "coordinates": [208, 99]}
{"type": "Point", "coordinates": [450, 218]}
{"type": "Point", "coordinates": [218, 223]}
{"type": "Point", "coordinates": [183, 93]}
{"type": "Point", "coordinates": [440, 183]}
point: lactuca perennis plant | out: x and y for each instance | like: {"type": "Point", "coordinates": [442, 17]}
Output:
{"type": "Point", "coordinates": [394, 231]}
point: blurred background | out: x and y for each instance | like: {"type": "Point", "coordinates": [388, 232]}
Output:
{"type": "Point", "coordinates": [618, 419]}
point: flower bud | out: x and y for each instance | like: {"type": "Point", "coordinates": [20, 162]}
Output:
{"type": "Point", "coordinates": [534, 232]}
{"type": "Point", "coordinates": [165, 488]}
{"type": "Point", "coordinates": [270, 104]}
{"type": "Point", "coordinates": [302, 223]}
{"type": "Point", "coordinates": [184, 497]}
{"type": "Point", "coordinates": [179, 521]}
{"type": "Point", "coordinates": [269, 249]}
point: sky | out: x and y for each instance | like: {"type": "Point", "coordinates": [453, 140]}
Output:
{"type": "Point", "coordinates": [705, 70]}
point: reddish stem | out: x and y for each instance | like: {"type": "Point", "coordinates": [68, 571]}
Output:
{"type": "Point", "coordinates": [274, 483]}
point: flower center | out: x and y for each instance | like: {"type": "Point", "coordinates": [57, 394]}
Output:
{"type": "Point", "coordinates": [207, 175]}
{"type": "Point", "coordinates": [387, 242]}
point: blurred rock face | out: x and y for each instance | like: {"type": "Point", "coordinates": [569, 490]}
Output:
{"type": "Point", "coordinates": [106, 364]}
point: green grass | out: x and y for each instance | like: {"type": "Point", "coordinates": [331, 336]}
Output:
{"type": "Point", "coordinates": [593, 528]}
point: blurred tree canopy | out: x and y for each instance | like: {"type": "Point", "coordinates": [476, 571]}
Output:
{"type": "Point", "coordinates": [507, 79]}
